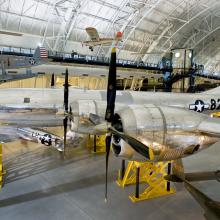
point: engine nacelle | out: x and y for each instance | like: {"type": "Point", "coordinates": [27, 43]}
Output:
{"type": "Point", "coordinates": [155, 123]}
{"type": "Point", "coordinates": [125, 151]}
{"type": "Point", "coordinates": [84, 108]}
{"type": "Point", "coordinates": [154, 126]}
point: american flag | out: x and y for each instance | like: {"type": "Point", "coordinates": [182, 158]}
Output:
{"type": "Point", "coordinates": [43, 52]}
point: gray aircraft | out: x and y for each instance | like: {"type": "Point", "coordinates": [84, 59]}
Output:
{"type": "Point", "coordinates": [140, 125]}
{"type": "Point", "coordinates": [12, 76]}
{"type": "Point", "coordinates": [10, 64]}
{"type": "Point", "coordinates": [82, 70]}
{"type": "Point", "coordinates": [14, 62]}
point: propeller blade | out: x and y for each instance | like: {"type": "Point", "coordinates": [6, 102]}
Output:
{"type": "Point", "coordinates": [66, 91]}
{"type": "Point", "coordinates": [111, 89]}
{"type": "Point", "coordinates": [70, 114]}
{"type": "Point", "coordinates": [65, 103]}
{"type": "Point", "coordinates": [95, 119]}
{"type": "Point", "coordinates": [65, 120]}
{"type": "Point", "coordinates": [138, 146]}
{"type": "Point", "coordinates": [108, 145]}
{"type": "Point", "coordinates": [52, 83]}
{"type": "Point", "coordinates": [111, 95]}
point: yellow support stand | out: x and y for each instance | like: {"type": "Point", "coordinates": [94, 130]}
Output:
{"type": "Point", "coordinates": [2, 172]}
{"type": "Point", "coordinates": [149, 173]}
{"type": "Point", "coordinates": [1, 167]}
{"type": "Point", "coordinates": [96, 143]}
{"type": "Point", "coordinates": [216, 114]}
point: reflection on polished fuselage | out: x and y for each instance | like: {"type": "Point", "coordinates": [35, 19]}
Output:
{"type": "Point", "coordinates": [170, 133]}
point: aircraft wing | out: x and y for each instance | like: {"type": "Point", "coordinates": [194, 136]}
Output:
{"type": "Point", "coordinates": [92, 32]}
{"type": "Point", "coordinates": [8, 133]}
{"type": "Point", "coordinates": [211, 207]}
{"type": "Point", "coordinates": [31, 119]}
{"type": "Point", "coordinates": [47, 117]}
{"type": "Point", "coordinates": [14, 77]}
{"type": "Point", "coordinates": [210, 126]}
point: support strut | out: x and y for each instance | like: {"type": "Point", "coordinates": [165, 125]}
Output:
{"type": "Point", "coordinates": [122, 169]}
{"type": "Point", "coordinates": [149, 174]}
{"type": "Point", "coordinates": [137, 182]}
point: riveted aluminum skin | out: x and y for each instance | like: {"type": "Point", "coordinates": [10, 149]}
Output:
{"type": "Point", "coordinates": [171, 133]}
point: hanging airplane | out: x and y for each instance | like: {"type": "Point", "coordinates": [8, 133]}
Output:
{"type": "Point", "coordinates": [140, 125]}
{"type": "Point", "coordinates": [96, 40]}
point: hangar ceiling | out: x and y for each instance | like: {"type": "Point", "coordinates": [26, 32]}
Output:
{"type": "Point", "coordinates": [150, 27]}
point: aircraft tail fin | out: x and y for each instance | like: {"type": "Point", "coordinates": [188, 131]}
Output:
{"type": "Point", "coordinates": [213, 91]}
{"type": "Point", "coordinates": [40, 53]}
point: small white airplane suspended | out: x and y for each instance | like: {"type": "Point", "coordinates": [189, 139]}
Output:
{"type": "Point", "coordinates": [96, 40]}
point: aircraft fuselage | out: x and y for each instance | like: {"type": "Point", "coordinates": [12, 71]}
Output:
{"type": "Point", "coordinates": [53, 98]}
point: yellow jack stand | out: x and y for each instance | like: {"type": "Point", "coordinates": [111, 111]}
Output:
{"type": "Point", "coordinates": [96, 143]}
{"type": "Point", "coordinates": [2, 172]}
{"type": "Point", "coordinates": [146, 172]}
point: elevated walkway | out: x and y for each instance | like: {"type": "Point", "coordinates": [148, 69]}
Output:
{"type": "Point", "coordinates": [80, 59]}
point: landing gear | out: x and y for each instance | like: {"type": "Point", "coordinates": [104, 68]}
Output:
{"type": "Point", "coordinates": [91, 48]}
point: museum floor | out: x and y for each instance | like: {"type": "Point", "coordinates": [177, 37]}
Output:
{"type": "Point", "coordinates": [41, 185]}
